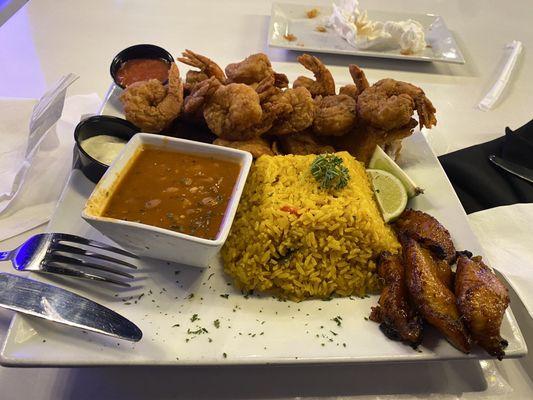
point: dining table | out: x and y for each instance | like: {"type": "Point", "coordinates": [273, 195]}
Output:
{"type": "Point", "coordinates": [47, 39]}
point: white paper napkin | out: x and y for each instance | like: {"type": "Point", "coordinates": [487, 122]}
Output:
{"type": "Point", "coordinates": [506, 236]}
{"type": "Point", "coordinates": [38, 164]}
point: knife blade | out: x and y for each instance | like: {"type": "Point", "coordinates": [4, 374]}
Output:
{"type": "Point", "coordinates": [59, 305]}
{"type": "Point", "coordinates": [511, 167]}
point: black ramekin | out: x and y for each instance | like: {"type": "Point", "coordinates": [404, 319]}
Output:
{"type": "Point", "coordinates": [99, 125]}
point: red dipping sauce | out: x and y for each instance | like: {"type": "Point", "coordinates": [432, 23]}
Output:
{"type": "Point", "coordinates": [142, 70]}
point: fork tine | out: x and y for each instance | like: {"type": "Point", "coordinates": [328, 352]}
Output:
{"type": "Point", "coordinates": [94, 243]}
{"type": "Point", "coordinates": [54, 269]}
{"type": "Point", "coordinates": [78, 262]}
{"type": "Point", "coordinates": [76, 250]}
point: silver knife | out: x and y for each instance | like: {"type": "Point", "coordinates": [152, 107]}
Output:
{"type": "Point", "coordinates": [511, 167]}
{"type": "Point", "coordinates": [59, 305]}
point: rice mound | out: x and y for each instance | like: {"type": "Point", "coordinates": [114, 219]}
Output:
{"type": "Point", "coordinates": [300, 241]}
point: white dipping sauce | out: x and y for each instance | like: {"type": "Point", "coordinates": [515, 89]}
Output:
{"type": "Point", "coordinates": [103, 148]}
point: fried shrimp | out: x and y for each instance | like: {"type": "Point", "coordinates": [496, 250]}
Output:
{"type": "Point", "coordinates": [359, 78]}
{"type": "Point", "coordinates": [335, 115]}
{"type": "Point", "coordinates": [194, 104]}
{"type": "Point", "coordinates": [323, 85]}
{"type": "Point", "coordinates": [389, 104]}
{"type": "Point", "coordinates": [232, 111]}
{"type": "Point", "coordinates": [150, 105]}
{"type": "Point", "coordinates": [296, 111]}
{"type": "Point", "coordinates": [208, 68]}
{"type": "Point", "coordinates": [253, 69]}
{"type": "Point", "coordinates": [271, 108]}
{"type": "Point", "coordinates": [349, 90]}
{"type": "Point", "coordinates": [360, 82]}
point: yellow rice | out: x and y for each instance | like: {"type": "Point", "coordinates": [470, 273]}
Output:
{"type": "Point", "coordinates": [328, 248]}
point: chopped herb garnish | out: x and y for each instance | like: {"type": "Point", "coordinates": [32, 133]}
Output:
{"type": "Point", "coordinates": [224, 296]}
{"type": "Point", "coordinates": [337, 320]}
{"type": "Point", "coordinates": [199, 331]}
{"type": "Point", "coordinates": [175, 325]}
{"type": "Point", "coordinates": [216, 322]}
{"type": "Point", "coordinates": [190, 296]}
{"type": "Point", "coordinates": [329, 171]}
{"type": "Point", "coordinates": [224, 355]}
{"type": "Point", "coordinates": [194, 317]}
{"type": "Point", "coordinates": [209, 277]}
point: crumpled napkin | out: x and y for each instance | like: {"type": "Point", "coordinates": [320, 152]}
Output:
{"type": "Point", "coordinates": [505, 235]}
{"type": "Point", "coordinates": [36, 161]}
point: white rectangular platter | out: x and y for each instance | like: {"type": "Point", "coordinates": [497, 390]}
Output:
{"type": "Point", "coordinates": [292, 19]}
{"type": "Point", "coordinates": [170, 302]}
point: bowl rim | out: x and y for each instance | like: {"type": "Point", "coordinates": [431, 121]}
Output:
{"type": "Point", "coordinates": [114, 173]}
{"type": "Point", "coordinates": [98, 118]}
{"type": "Point", "coordinates": [116, 59]}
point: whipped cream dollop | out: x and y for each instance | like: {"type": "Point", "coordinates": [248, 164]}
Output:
{"type": "Point", "coordinates": [354, 26]}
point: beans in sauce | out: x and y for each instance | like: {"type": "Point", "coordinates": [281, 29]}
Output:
{"type": "Point", "coordinates": [177, 191]}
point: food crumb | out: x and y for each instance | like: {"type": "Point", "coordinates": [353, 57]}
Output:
{"type": "Point", "coordinates": [321, 28]}
{"type": "Point", "coordinates": [312, 13]}
{"type": "Point", "coordinates": [290, 37]}
{"type": "Point", "coordinates": [224, 355]}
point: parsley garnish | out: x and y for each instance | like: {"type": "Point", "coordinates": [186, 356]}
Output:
{"type": "Point", "coordinates": [329, 171]}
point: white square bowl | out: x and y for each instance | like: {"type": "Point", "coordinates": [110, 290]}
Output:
{"type": "Point", "coordinates": [151, 241]}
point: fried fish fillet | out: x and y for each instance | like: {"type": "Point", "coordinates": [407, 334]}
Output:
{"type": "Point", "coordinates": [482, 300]}
{"type": "Point", "coordinates": [426, 230]}
{"type": "Point", "coordinates": [431, 297]}
{"type": "Point", "coordinates": [398, 320]}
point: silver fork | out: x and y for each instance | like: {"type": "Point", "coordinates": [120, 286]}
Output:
{"type": "Point", "coordinates": [59, 253]}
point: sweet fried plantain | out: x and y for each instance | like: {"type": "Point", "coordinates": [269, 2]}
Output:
{"type": "Point", "coordinates": [431, 297]}
{"type": "Point", "coordinates": [398, 320]}
{"type": "Point", "coordinates": [482, 300]}
{"type": "Point", "coordinates": [426, 230]}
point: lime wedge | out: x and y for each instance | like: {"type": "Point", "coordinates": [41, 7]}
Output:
{"type": "Point", "coordinates": [380, 160]}
{"type": "Point", "coordinates": [390, 193]}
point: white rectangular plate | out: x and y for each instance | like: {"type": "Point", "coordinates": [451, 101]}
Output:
{"type": "Point", "coordinates": [292, 19]}
{"type": "Point", "coordinates": [252, 330]}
